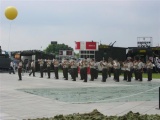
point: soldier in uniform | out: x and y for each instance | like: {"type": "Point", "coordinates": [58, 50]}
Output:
{"type": "Point", "coordinates": [56, 64]}
{"type": "Point", "coordinates": [48, 67]}
{"type": "Point", "coordinates": [32, 68]}
{"type": "Point", "coordinates": [140, 70]}
{"type": "Point", "coordinates": [135, 68]}
{"type": "Point", "coordinates": [117, 68]}
{"type": "Point", "coordinates": [85, 65]}
{"type": "Point", "coordinates": [129, 70]}
{"type": "Point", "coordinates": [109, 68]}
{"type": "Point", "coordinates": [62, 65]}
{"type": "Point", "coordinates": [12, 66]}
{"type": "Point", "coordinates": [104, 70]}
{"type": "Point", "coordinates": [65, 68]}
{"type": "Point", "coordinates": [20, 64]}
{"type": "Point", "coordinates": [41, 62]}
{"type": "Point", "coordinates": [114, 69]}
{"type": "Point", "coordinates": [76, 68]}
{"type": "Point", "coordinates": [96, 69]}
{"type": "Point", "coordinates": [73, 70]}
{"type": "Point", "coordinates": [149, 67]}
{"type": "Point", "coordinates": [125, 65]}
{"type": "Point", "coordinates": [81, 70]}
{"type": "Point", "coordinates": [92, 69]}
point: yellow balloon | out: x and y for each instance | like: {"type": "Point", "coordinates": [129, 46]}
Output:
{"type": "Point", "coordinates": [11, 13]}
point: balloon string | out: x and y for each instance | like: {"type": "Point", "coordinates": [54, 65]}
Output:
{"type": "Point", "coordinates": [9, 36]}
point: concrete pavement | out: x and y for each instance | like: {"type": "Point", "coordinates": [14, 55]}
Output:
{"type": "Point", "coordinates": [16, 104]}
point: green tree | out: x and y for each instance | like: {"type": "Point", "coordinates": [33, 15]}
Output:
{"type": "Point", "coordinates": [77, 55]}
{"type": "Point", "coordinates": [54, 48]}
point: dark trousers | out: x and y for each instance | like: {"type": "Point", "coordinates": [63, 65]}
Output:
{"type": "Point", "coordinates": [125, 75]}
{"type": "Point", "coordinates": [104, 75]}
{"type": "Point", "coordinates": [149, 72]}
{"type": "Point", "coordinates": [140, 75]}
{"type": "Point", "coordinates": [33, 71]}
{"type": "Point", "coordinates": [114, 74]}
{"type": "Point", "coordinates": [41, 71]}
{"type": "Point", "coordinates": [66, 73]}
{"type": "Point", "coordinates": [77, 72]}
{"type": "Point", "coordinates": [136, 74]}
{"type": "Point", "coordinates": [56, 72]}
{"type": "Point", "coordinates": [73, 73]}
{"type": "Point", "coordinates": [96, 74]}
{"type": "Point", "coordinates": [63, 72]}
{"type": "Point", "coordinates": [92, 72]}
{"type": "Point", "coordinates": [19, 73]}
{"type": "Point", "coordinates": [129, 75]}
{"type": "Point", "coordinates": [117, 74]}
{"type": "Point", "coordinates": [109, 72]}
{"type": "Point", "coordinates": [48, 71]}
{"type": "Point", "coordinates": [85, 74]}
{"type": "Point", "coordinates": [11, 70]}
{"type": "Point", "coordinates": [81, 73]}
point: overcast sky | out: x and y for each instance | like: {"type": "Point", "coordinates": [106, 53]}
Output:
{"type": "Point", "coordinates": [41, 21]}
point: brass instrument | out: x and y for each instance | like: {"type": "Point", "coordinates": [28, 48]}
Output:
{"type": "Point", "coordinates": [72, 63]}
{"type": "Point", "coordinates": [115, 64]}
{"type": "Point", "coordinates": [48, 62]}
{"type": "Point", "coordinates": [101, 64]}
{"type": "Point", "coordinates": [91, 63]}
{"type": "Point", "coordinates": [81, 63]}
{"type": "Point", "coordinates": [40, 61]}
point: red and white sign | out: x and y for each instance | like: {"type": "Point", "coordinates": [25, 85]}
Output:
{"type": "Point", "coordinates": [91, 45]}
{"type": "Point", "coordinates": [86, 45]}
{"type": "Point", "coordinates": [66, 53]}
{"type": "Point", "coordinates": [77, 47]}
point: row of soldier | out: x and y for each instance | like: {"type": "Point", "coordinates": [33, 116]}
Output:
{"type": "Point", "coordinates": [128, 67]}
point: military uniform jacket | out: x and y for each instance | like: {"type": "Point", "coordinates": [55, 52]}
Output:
{"type": "Point", "coordinates": [129, 66]}
{"type": "Point", "coordinates": [73, 64]}
{"type": "Point", "coordinates": [140, 65]}
{"type": "Point", "coordinates": [48, 63]}
{"type": "Point", "coordinates": [110, 65]}
{"type": "Point", "coordinates": [20, 65]}
{"type": "Point", "coordinates": [32, 64]}
{"type": "Point", "coordinates": [56, 63]}
{"type": "Point", "coordinates": [92, 64]}
{"type": "Point", "coordinates": [149, 65]}
{"type": "Point", "coordinates": [85, 64]}
{"type": "Point", "coordinates": [104, 65]}
{"type": "Point", "coordinates": [41, 63]}
{"type": "Point", "coordinates": [80, 65]}
{"type": "Point", "coordinates": [116, 65]}
{"type": "Point", "coordinates": [135, 65]}
{"type": "Point", "coordinates": [66, 64]}
{"type": "Point", "coordinates": [125, 66]}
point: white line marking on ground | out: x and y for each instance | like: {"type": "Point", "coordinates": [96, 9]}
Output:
{"type": "Point", "coordinates": [115, 98]}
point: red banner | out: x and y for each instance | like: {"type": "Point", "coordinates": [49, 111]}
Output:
{"type": "Point", "coordinates": [91, 45]}
{"type": "Point", "coordinates": [82, 45]}
{"type": "Point", "coordinates": [77, 47]}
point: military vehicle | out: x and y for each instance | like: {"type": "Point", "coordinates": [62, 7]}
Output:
{"type": "Point", "coordinates": [4, 61]}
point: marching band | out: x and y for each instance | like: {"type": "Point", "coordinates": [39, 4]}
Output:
{"type": "Point", "coordinates": [128, 68]}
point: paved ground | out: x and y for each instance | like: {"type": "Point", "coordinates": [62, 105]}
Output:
{"type": "Point", "coordinates": [22, 99]}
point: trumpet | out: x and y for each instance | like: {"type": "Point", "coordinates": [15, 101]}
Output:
{"type": "Point", "coordinates": [80, 63]}
{"type": "Point", "coordinates": [101, 63]}
{"type": "Point", "coordinates": [40, 61]}
{"type": "Point", "coordinates": [64, 63]}
{"type": "Point", "coordinates": [48, 62]}
{"type": "Point", "coordinates": [115, 63]}
{"type": "Point", "coordinates": [71, 63]}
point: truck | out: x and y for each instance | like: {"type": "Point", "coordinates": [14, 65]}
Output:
{"type": "Point", "coordinates": [4, 62]}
